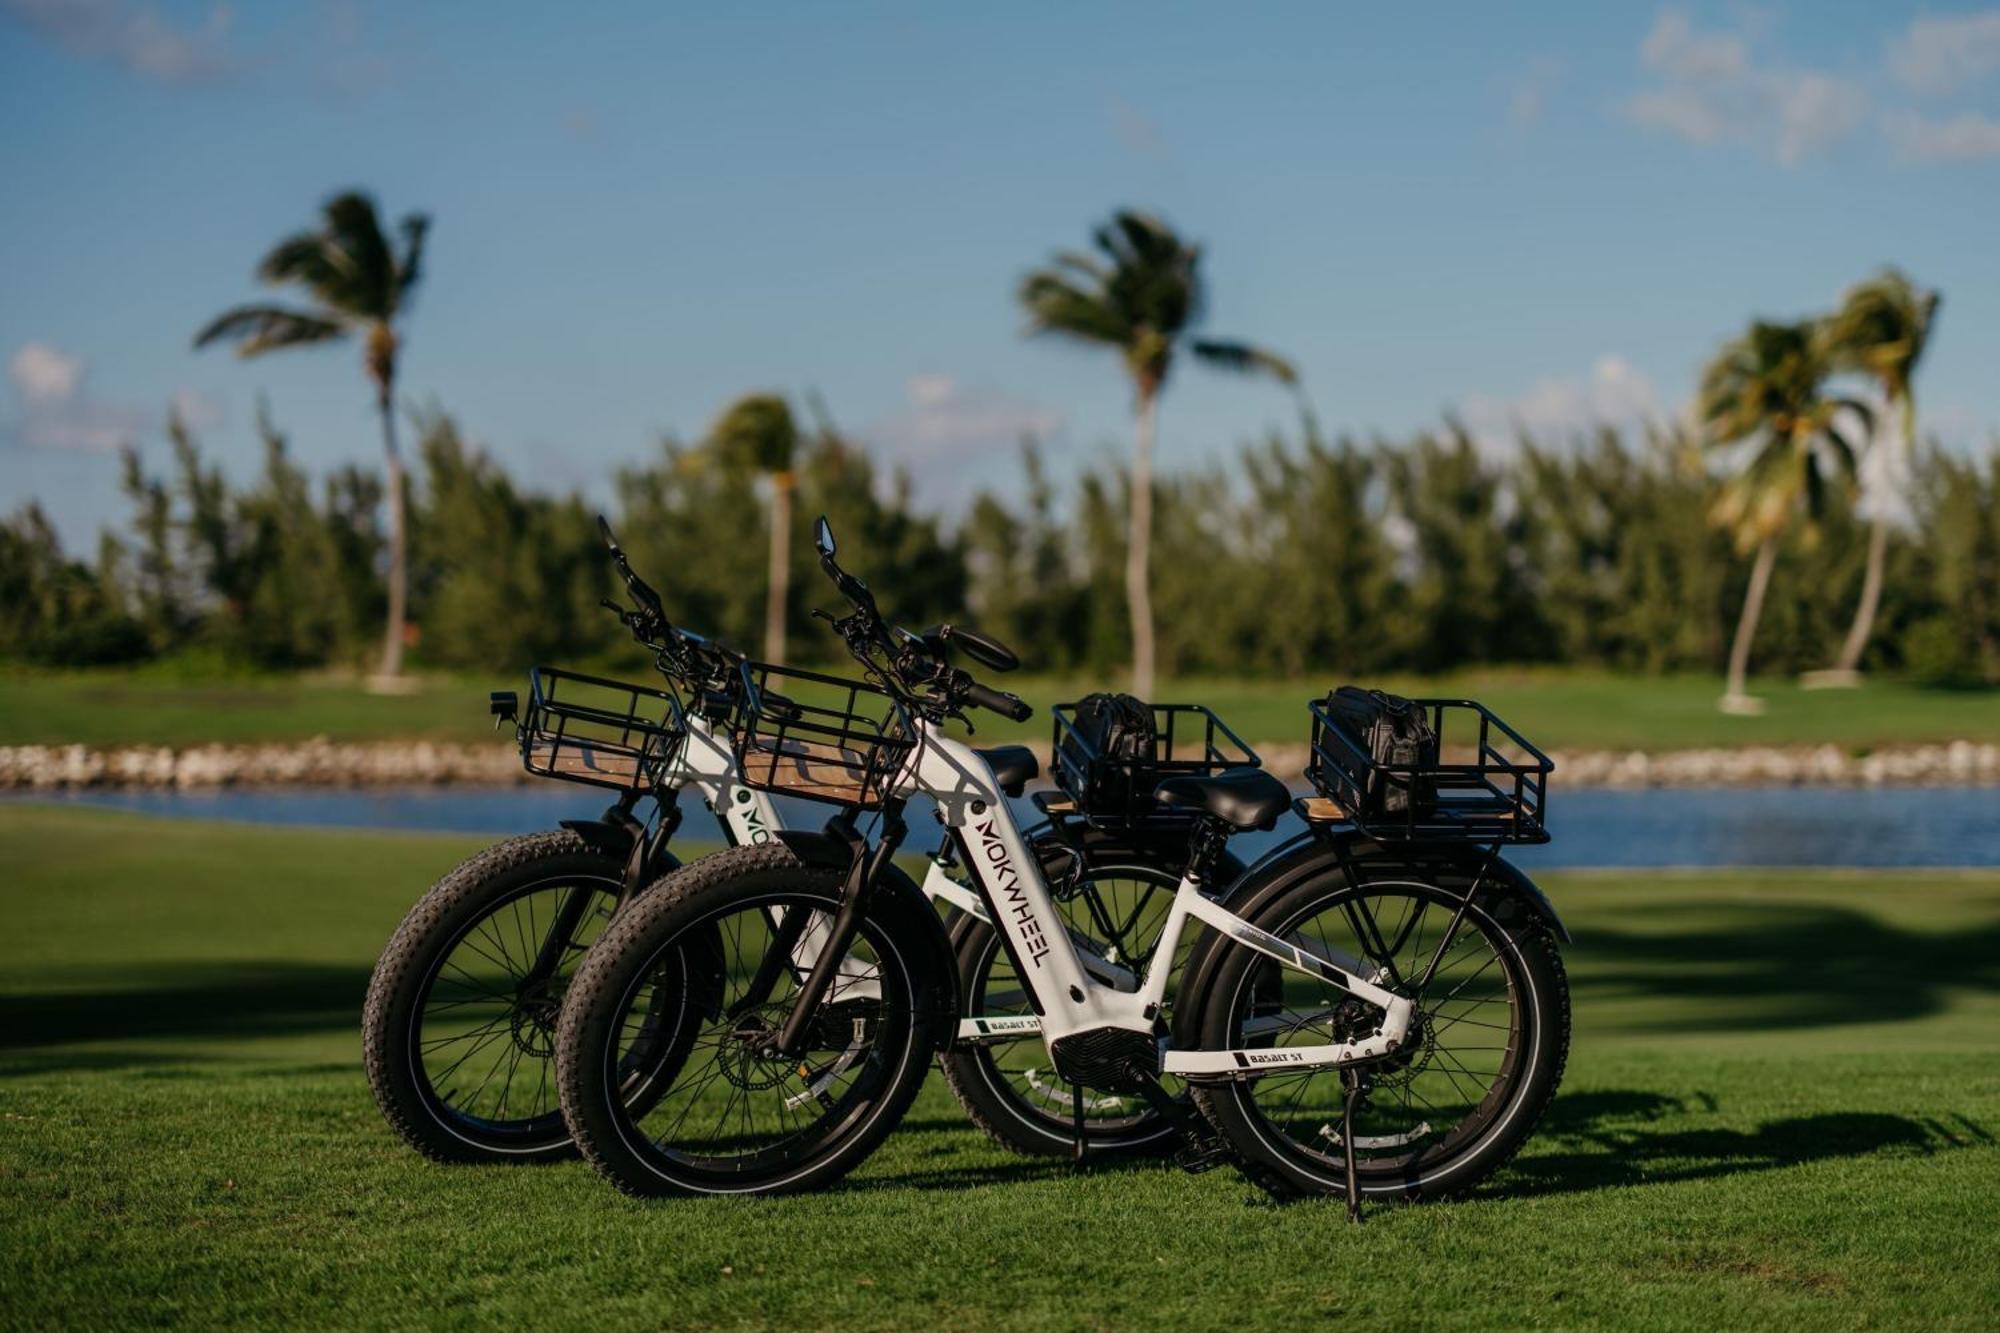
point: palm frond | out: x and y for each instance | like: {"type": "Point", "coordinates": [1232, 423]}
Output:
{"type": "Point", "coordinates": [1246, 359]}
{"type": "Point", "coordinates": [1846, 456]}
{"type": "Point", "coordinates": [410, 268]}
{"type": "Point", "coordinates": [1141, 293]}
{"type": "Point", "coordinates": [1882, 328]}
{"type": "Point", "coordinates": [354, 239]}
{"type": "Point", "coordinates": [303, 258]}
{"type": "Point", "coordinates": [1766, 389]}
{"type": "Point", "coordinates": [1058, 306]}
{"type": "Point", "coordinates": [262, 328]}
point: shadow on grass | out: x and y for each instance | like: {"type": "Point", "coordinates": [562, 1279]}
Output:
{"type": "Point", "coordinates": [1606, 1140]}
{"type": "Point", "coordinates": [220, 1001]}
{"type": "Point", "coordinates": [1752, 966]}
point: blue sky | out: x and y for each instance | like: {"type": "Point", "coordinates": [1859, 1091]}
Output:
{"type": "Point", "coordinates": [638, 215]}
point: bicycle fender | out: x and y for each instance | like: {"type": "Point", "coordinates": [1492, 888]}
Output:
{"type": "Point", "coordinates": [821, 849]}
{"type": "Point", "coordinates": [1290, 865]}
{"type": "Point", "coordinates": [613, 840]}
{"type": "Point", "coordinates": [1513, 878]}
{"type": "Point", "coordinates": [601, 835]}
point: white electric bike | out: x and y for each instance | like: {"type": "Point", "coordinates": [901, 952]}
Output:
{"type": "Point", "coordinates": [1365, 1013]}
{"type": "Point", "coordinates": [459, 1023]}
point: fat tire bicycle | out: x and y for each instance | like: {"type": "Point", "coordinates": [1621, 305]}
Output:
{"type": "Point", "coordinates": [459, 1021]}
{"type": "Point", "coordinates": [1365, 1013]}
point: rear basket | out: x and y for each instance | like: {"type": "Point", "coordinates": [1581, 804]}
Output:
{"type": "Point", "coordinates": [1500, 796]}
{"type": "Point", "coordinates": [605, 733]}
{"type": "Point", "coordinates": [818, 736]}
{"type": "Point", "coordinates": [1187, 738]}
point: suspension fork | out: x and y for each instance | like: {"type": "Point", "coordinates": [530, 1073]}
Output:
{"type": "Point", "coordinates": [640, 863]}
{"type": "Point", "coordinates": [864, 867]}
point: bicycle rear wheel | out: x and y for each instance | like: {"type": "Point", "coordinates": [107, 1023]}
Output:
{"type": "Point", "coordinates": [1482, 1063]}
{"type": "Point", "coordinates": [1006, 1084]}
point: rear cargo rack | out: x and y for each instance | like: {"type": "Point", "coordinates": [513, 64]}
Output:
{"type": "Point", "coordinates": [1118, 793]}
{"type": "Point", "coordinates": [1500, 796]}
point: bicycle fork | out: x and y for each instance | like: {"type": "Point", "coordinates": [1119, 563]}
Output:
{"type": "Point", "coordinates": [864, 867]}
{"type": "Point", "coordinates": [640, 863]}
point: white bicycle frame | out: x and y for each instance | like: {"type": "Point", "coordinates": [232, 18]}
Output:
{"type": "Point", "coordinates": [1067, 996]}
{"type": "Point", "coordinates": [706, 764]}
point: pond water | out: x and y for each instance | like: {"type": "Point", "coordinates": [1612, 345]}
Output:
{"type": "Point", "coordinates": [1735, 826]}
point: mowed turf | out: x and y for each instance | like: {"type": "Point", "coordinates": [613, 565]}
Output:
{"type": "Point", "coordinates": [1781, 1111]}
{"type": "Point", "coordinates": [1555, 708]}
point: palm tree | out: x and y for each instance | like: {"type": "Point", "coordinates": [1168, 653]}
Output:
{"type": "Point", "coordinates": [1141, 294]}
{"type": "Point", "coordinates": [1765, 392]}
{"type": "Point", "coordinates": [359, 286]}
{"type": "Point", "coordinates": [1880, 331]}
{"type": "Point", "coordinates": [757, 433]}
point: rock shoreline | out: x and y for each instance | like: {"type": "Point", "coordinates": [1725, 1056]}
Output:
{"type": "Point", "coordinates": [324, 763]}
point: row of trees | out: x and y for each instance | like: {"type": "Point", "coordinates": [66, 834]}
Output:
{"type": "Point", "coordinates": [1303, 557]}
{"type": "Point", "coordinates": [1772, 400]}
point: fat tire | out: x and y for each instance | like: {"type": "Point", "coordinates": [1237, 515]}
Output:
{"type": "Point", "coordinates": [1227, 1106]}
{"type": "Point", "coordinates": [633, 941]}
{"type": "Point", "coordinates": [439, 919]}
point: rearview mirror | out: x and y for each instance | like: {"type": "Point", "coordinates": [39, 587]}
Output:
{"type": "Point", "coordinates": [823, 538]}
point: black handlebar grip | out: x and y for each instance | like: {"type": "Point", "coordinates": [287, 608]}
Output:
{"type": "Point", "coordinates": [1010, 706]}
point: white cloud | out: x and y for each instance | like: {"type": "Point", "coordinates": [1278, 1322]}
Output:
{"type": "Point", "coordinates": [952, 438]}
{"type": "Point", "coordinates": [45, 375]}
{"type": "Point", "coordinates": [1964, 138]}
{"type": "Point", "coordinates": [196, 409]}
{"type": "Point", "coordinates": [134, 35]}
{"type": "Point", "coordinates": [56, 413]}
{"type": "Point", "coordinates": [349, 66]}
{"type": "Point", "coordinates": [1675, 49]}
{"type": "Point", "coordinates": [1939, 56]}
{"type": "Point", "coordinates": [1712, 89]}
{"type": "Point", "coordinates": [948, 421]}
{"type": "Point", "coordinates": [1553, 411]}
{"type": "Point", "coordinates": [1815, 112]}
{"type": "Point", "coordinates": [1528, 101]}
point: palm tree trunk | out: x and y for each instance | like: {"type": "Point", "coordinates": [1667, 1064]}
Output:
{"type": "Point", "coordinates": [1878, 552]}
{"type": "Point", "coordinates": [779, 590]}
{"type": "Point", "coordinates": [399, 574]}
{"type": "Point", "coordinates": [1746, 624]}
{"type": "Point", "coordinates": [1139, 548]}
{"type": "Point", "coordinates": [1871, 598]}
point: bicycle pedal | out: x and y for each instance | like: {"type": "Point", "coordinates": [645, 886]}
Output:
{"type": "Point", "coordinates": [1202, 1155]}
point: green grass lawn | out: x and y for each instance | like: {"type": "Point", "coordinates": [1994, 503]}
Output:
{"type": "Point", "coordinates": [1556, 709]}
{"type": "Point", "coordinates": [1781, 1111]}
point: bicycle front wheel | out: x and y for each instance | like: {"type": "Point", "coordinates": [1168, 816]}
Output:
{"type": "Point", "coordinates": [702, 965]}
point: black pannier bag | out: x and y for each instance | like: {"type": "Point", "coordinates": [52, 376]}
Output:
{"type": "Point", "coordinates": [1112, 739]}
{"type": "Point", "coordinates": [1395, 731]}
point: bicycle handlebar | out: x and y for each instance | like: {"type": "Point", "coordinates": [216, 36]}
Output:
{"type": "Point", "coordinates": [696, 660]}
{"type": "Point", "coordinates": [1010, 706]}
{"type": "Point", "coordinates": [916, 667]}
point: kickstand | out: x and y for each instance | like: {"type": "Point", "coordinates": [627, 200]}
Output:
{"type": "Point", "coordinates": [1347, 1148]}
{"type": "Point", "coordinates": [1076, 1118]}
